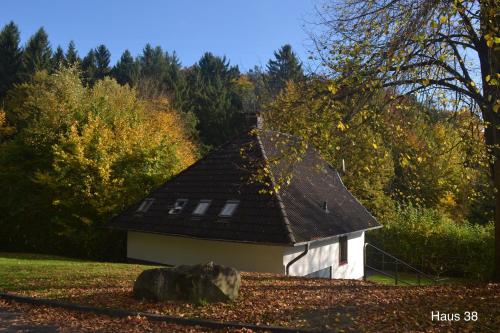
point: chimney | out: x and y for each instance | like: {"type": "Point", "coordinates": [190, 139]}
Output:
{"type": "Point", "coordinates": [253, 120]}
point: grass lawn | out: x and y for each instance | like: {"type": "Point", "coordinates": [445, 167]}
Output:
{"type": "Point", "coordinates": [406, 279]}
{"type": "Point", "coordinates": [52, 276]}
{"type": "Point", "coordinates": [328, 305]}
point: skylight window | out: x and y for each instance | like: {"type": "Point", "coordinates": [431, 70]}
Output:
{"type": "Point", "coordinates": [178, 206]}
{"type": "Point", "coordinates": [145, 205]}
{"type": "Point", "coordinates": [229, 208]}
{"type": "Point", "coordinates": [202, 207]}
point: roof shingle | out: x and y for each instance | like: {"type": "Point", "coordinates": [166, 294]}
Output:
{"type": "Point", "coordinates": [294, 215]}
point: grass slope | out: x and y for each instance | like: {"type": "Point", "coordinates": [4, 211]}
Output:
{"type": "Point", "coordinates": [327, 305]}
{"type": "Point", "coordinates": [52, 276]}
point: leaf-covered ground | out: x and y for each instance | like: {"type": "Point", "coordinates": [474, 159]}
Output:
{"type": "Point", "coordinates": [329, 305]}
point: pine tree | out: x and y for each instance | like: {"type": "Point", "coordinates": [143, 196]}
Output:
{"type": "Point", "coordinates": [175, 81]}
{"type": "Point", "coordinates": [153, 70]}
{"type": "Point", "coordinates": [102, 58]}
{"type": "Point", "coordinates": [89, 67]}
{"type": "Point", "coordinates": [37, 55]}
{"type": "Point", "coordinates": [212, 97]}
{"type": "Point", "coordinates": [10, 57]}
{"type": "Point", "coordinates": [285, 67]}
{"type": "Point", "coordinates": [173, 71]}
{"type": "Point", "coordinates": [58, 58]}
{"type": "Point", "coordinates": [71, 54]}
{"type": "Point", "coordinates": [126, 70]}
{"type": "Point", "coordinates": [153, 63]}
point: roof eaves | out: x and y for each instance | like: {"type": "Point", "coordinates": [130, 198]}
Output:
{"type": "Point", "coordinates": [198, 237]}
{"type": "Point", "coordinates": [290, 235]}
{"type": "Point", "coordinates": [338, 235]}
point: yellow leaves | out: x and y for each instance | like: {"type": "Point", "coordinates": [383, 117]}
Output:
{"type": "Point", "coordinates": [332, 88]}
{"type": "Point", "coordinates": [425, 82]}
{"type": "Point", "coordinates": [375, 146]}
{"type": "Point", "coordinates": [405, 161]}
{"type": "Point", "coordinates": [491, 40]}
{"type": "Point", "coordinates": [341, 126]}
{"type": "Point", "coordinates": [434, 24]}
{"type": "Point", "coordinates": [443, 19]}
{"type": "Point", "coordinates": [108, 146]}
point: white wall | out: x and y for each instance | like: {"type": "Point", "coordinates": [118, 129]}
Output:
{"type": "Point", "coordinates": [182, 250]}
{"type": "Point", "coordinates": [325, 253]}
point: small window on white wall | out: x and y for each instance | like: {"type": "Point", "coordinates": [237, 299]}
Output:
{"type": "Point", "coordinates": [342, 250]}
{"type": "Point", "coordinates": [202, 207]}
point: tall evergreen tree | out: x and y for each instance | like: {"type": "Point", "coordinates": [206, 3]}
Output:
{"type": "Point", "coordinates": [153, 69]}
{"type": "Point", "coordinates": [37, 54]}
{"type": "Point", "coordinates": [58, 58]}
{"type": "Point", "coordinates": [71, 54]}
{"type": "Point", "coordinates": [153, 63]}
{"type": "Point", "coordinates": [173, 71]}
{"type": "Point", "coordinates": [284, 67]}
{"type": "Point", "coordinates": [10, 57]}
{"type": "Point", "coordinates": [89, 67]}
{"type": "Point", "coordinates": [126, 69]}
{"type": "Point", "coordinates": [102, 58]}
{"type": "Point", "coordinates": [212, 97]}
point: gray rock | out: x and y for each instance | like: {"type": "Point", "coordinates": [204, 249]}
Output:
{"type": "Point", "coordinates": [198, 283]}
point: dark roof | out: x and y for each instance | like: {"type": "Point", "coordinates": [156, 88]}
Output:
{"type": "Point", "coordinates": [294, 215]}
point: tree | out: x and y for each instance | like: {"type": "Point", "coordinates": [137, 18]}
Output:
{"type": "Point", "coordinates": [153, 71]}
{"type": "Point", "coordinates": [37, 54]}
{"type": "Point", "coordinates": [102, 59]}
{"type": "Point", "coordinates": [126, 70]}
{"type": "Point", "coordinates": [89, 67]}
{"type": "Point", "coordinates": [72, 57]}
{"type": "Point", "coordinates": [81, 154]}
{"type": "Point", "coordinates": [212, 97]}
{"type": "Point", "coordinates": [10, 57]}
{"type": "Point", "coordinates": [283, 68]}
{"type": "Point", "coordinates": [58, 58]}
{"type": "Point", "coordinates": [421, 46]}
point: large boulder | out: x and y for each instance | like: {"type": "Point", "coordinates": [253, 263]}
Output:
{"type": "Point", "coordinates": [198, 283]}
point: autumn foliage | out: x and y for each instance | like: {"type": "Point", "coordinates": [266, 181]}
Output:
{"type": "Point", "coordinates": [402, 158]}
{"type": "Point", "coordinates": [78, 155]}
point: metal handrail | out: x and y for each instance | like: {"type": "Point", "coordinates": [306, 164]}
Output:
{"type": "Point", "coordinates": [397, 261]}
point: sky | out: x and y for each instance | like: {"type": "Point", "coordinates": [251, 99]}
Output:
{"type": "Point", "coordinates": [247, 32]}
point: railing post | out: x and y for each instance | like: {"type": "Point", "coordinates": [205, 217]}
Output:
{"type": "Point", "coordinates": [396, 276]}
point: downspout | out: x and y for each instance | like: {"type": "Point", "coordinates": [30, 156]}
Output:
{"type": "Point", "coordinates": [294, 260]}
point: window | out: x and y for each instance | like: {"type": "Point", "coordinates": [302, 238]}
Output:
{"type": "Point", "coordinates": [145, 205]}
{"type": "Point", "coordinates": [229, 208]}
{"type": "Point", "coordinates": [342, 250]}
{"type": "Point", "coordinates": [178, 206]}
{"type": "Point", "coordinates": [202, 207]}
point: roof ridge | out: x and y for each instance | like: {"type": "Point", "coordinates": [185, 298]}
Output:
{"type": "Point", "coordinates": [288, 227]}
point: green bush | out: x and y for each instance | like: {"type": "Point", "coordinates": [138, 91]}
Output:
{"type": "Point", "coordinates": [430, 240]}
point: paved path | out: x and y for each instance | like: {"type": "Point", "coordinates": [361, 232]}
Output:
{"type": "Point", "coordinates": [13, 322]}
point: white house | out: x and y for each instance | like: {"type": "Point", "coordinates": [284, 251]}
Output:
{"type": "Point", "coordinates": [216, 211]}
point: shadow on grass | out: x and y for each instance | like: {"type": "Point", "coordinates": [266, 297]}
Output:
{"type": "Point", "coordinates": [36, 256]}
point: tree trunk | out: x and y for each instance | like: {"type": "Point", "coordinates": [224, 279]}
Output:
{"type": "Point", "coordinates": [489, 58]}
{"type": "Point", "coordinates": [496, 181]}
